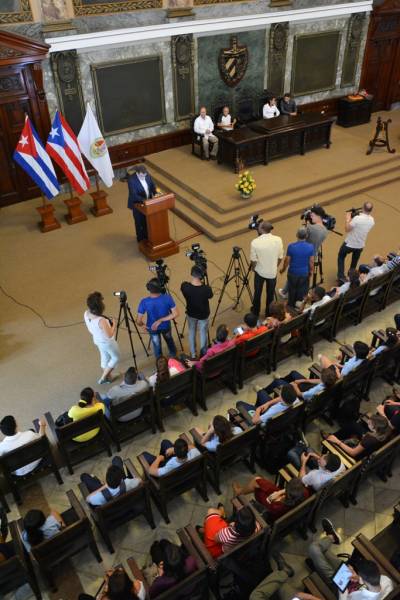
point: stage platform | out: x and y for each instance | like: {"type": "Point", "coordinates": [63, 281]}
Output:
{"type": "Point", "coordinates": [207, 199]}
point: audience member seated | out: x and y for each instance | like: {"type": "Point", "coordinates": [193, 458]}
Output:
{"type": "Point", "coordinates": [265, 408]}
{"type": "Point", "coordinates": [204, 127]}
{"type": "Point", "coordinates": [171, 457]}
{"type": "Point", "coordinates": [353, 282]}
{"type": "Point", "coordinates": [361, 351]}
{"type": "Point", "coordinates": [250, 328]}
{"type": "Point", "coordinates": [277, 315]}
{"type": "Point", "coordinates": [366, 584]}
{"type": "Point", "coordinates": [316, 297]}
{"type": "Point", "coordinates": [392, 339]}
{"type": "Point", "coordinates": [221, 343]}
{"type": "Point", "coordinates": [276, 501]}
{"type": "Point", "coordinates": [315, 470]}
{"type": "Point", "coordinates": [306, 389]}
{"type": "Point", "coordinates": [170, 564]}
{"type": "Point", "coordinates": [270, 109]}
{"type": "Point", "coordinates": [386, 263]}
{"type": "Point", "coordinates": [118, 586]}
{"type": "Point", "coordinates": [220, 535]}
{"type": "Point", "coordinates": [14, 439]}
{"type": "Point", "coordinates": [219, 432]}
{"type": "Point", "coordinates": [130, 386]}
{"type": "Point", "coordinates": [390, 409]}
{"type": "Point", "coordinates": [88, 404]}
{"type": "Point", "coordinates": [225, 120]}
{"type": "Point", "coordinates": [288, 105]}
{"type": "Point", "coordinates": [165, 369]}
{"type": "Point", "coordinates": [117, 483]}
{"type": "Point", "coordinates": [38, 527]}
{"type": "Point", "coordinates": [359, 439]}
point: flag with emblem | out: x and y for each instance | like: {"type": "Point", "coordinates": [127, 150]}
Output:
{"type": "Point", "coordinates": [33, 158]}
{"type": "Point", "coordinates": [63, 147]}
{"type": "Point", "coordinates": [94, 147]}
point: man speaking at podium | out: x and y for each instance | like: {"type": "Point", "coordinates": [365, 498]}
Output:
{"type": "Point", "coordinates": [141, 187]}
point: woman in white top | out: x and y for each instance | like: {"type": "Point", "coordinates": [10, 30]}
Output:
{"type": "Point", "coordinates": [270, 109]}
{"type": "Point", "coordinates": [218, 433]}
{"type": "Point", "coordinates": [103, 332]}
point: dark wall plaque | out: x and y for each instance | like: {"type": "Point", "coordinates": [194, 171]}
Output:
{"type": "Point", "coordinates": [350, 60]}
{"type": "Point", "coordinates": [68, 84]}
{"type": "Point", "coordinates": [129, 94]}
{"type": "Point", "coordinates": [277, 57]}
{"type": "Point", "coordinates": [315, 60]}
{"type": "Point", "coordinates": [182, 65]}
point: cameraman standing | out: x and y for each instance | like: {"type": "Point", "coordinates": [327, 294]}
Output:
{"type": "Point", "coordinates": [316, 230]}
{"type": "Point", "coordinates": [197, 295]}
{"type": "Point", "coordinates": [266, 252]}
{"type": "Point", "coordinates": [357, 227]}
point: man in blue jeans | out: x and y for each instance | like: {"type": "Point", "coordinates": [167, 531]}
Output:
{"type": "Point", "coordinates": [300, 260]}
{"type": "Point", "coordinates": [160, 310]}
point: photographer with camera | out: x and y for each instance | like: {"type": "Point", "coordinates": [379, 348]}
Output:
{"type": "Point", "coordinates": [102, 329]}
{"type": "Point", "coordinates": [358, 224]}
{"type": "Point", "coordinates": [316, 230]}
{"type": "Point", "coordinates": [197, 295]}
{"type": "Point", "coordinates": [266, 253]}
{"type": "Point", "coordinates": [160, 309]}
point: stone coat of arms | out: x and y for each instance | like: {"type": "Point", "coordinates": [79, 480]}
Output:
{"type": "Point", "coordinates": [233, 62]}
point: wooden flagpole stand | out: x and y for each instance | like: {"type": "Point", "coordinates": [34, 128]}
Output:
{"type": "Point", "coordinates": [75, 213]}
{"type": "Point", "coordinates": [49, 221]}
{"type": "Point", "coordinates": [100, 207]}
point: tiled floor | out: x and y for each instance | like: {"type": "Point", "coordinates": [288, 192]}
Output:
{"type": "Point", "coordinates": [372, 513]}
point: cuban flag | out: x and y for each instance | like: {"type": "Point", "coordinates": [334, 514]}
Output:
{"type": "Point", "coordinates": [63, 147]}
{"type": "Point", "coordinates": [33, 158]}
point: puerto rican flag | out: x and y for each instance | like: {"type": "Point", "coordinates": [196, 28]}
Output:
{"type": "Point", "coordinates": [63, 148]}
{"type": "Point", "coordinates": [33, 158]}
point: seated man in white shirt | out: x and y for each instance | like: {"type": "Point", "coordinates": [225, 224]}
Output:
{"type": "Point", "coordinates": [270, 109]}
{"type": "Point", "coordinates": [14, 439]}
{"type": "Point", "coordinates": [316, 297]}
{"type": "Point", "coordinates": [117, 483]}
{"type": "Point", "coordinates": [225, 120]}
{"type": "Point", "coordinates": [172, 456]}
{"type": "Point", "coordinates": [367, 581]}
{"type": "Point", "coordinates": [316, 470]}
{"type": "Point", "coordinates": [204, 128]}
{"type": "Point", "coordinates": [361, 352]}
{"type": "Point", "coordinates": [130, 386]}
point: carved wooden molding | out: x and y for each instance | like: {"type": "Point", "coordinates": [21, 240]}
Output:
{"type": "Point", "coordinates": [101, 8]}
{"type": "Point", "coordinates": [23, 15]}
{"type": "Point", "coordinates": [16, 48]}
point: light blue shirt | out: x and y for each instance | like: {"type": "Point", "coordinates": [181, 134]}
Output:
{"type": "Point", "coordinates": [97, 498]}
{"type": "Point", "coordinates": [275, 409]}
{"type": "Point", "coordinates": [316, 389]}
{"type": "Point", "coordinates": [379, 349]}
{"type": "Point", "coordinates": [351, 364]}
{"type": "Point", "coordinates": [49, 529]}
{"type": "Point", "coordinates": [214, 442]}
{"type": "Point", "coordinates": [174, 462]}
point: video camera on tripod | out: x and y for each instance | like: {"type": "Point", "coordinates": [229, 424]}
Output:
{"type": "Point", "coordinates": [328, 220]}
{"type": "Point", "coordinates": [160, 269]}
{"type": "Point", "coordinates": [255, 222]}
{"type": "Point", "coordinates": [197, 255]}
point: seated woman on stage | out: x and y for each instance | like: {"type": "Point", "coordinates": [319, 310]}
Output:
{"type": "Point", "coordinates": [270, 109]}
{"type": "Point", "coordinates": [225, 120]}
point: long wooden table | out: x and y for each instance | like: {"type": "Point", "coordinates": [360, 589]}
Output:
{"type": "Point", "coordinates": [261, 141]}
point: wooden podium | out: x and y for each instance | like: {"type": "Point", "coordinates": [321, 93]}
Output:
{"type": "Point", "coordinates": [159, 243]}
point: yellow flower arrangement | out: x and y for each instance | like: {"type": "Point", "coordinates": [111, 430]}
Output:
{"type": "Point", "coordinates": [246, 184]}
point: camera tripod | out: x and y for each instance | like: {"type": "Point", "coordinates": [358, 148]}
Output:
{"type": "Point", "coordinates": [318, 268]}
{"type": "Point", "coordinates": [125, 316]}
{"type": "Point", "coordinates": [241, 270]}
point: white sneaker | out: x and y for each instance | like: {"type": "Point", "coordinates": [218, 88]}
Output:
{"type": "Point", "coordinates": [282, 293]}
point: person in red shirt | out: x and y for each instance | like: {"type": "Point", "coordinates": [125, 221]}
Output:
{"type": "Point", "coordinates": [276, 501]}
{"type": "Point", "coordinates": [249, 329]}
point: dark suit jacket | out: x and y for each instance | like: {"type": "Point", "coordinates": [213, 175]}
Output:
{"type": "Point", "coordinates": [137, 195]}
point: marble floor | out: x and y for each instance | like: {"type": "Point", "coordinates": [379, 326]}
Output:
{"type": "Point", "coordinates": [370, 515]}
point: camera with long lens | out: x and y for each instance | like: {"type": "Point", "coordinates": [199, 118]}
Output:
{"type": "Point", "coordinates": [160, 269]}
{"type": "Point", "coordinates": [328, 221]}
{"type": "Point", "coordinates": [197, 255]}
{"type": "Point", "coordinates": [121, 295]}
{"type": "Point", "coordinates": [255, 222]}
{"type": "Point", "coordinates": [354, 211]}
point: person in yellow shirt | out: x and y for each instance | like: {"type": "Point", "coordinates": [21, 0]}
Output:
{"type": "Point", "coordinates": [88, 405]}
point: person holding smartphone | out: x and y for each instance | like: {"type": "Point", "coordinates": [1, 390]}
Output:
{"type": "Point", "coordinates": [248, 329]}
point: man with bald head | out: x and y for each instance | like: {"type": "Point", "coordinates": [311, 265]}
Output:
{"type": "Point", "coordinates": [266, 252]}
{"type": "Point", "coordinates": [357, 229]}
{"type": "Point", "coordinates": [204, 128]}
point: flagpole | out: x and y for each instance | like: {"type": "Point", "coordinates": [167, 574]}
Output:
{"type": "Point", "coordinates": [96, 177]}
{"type": "Point", "coordinates": [44, 202]}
